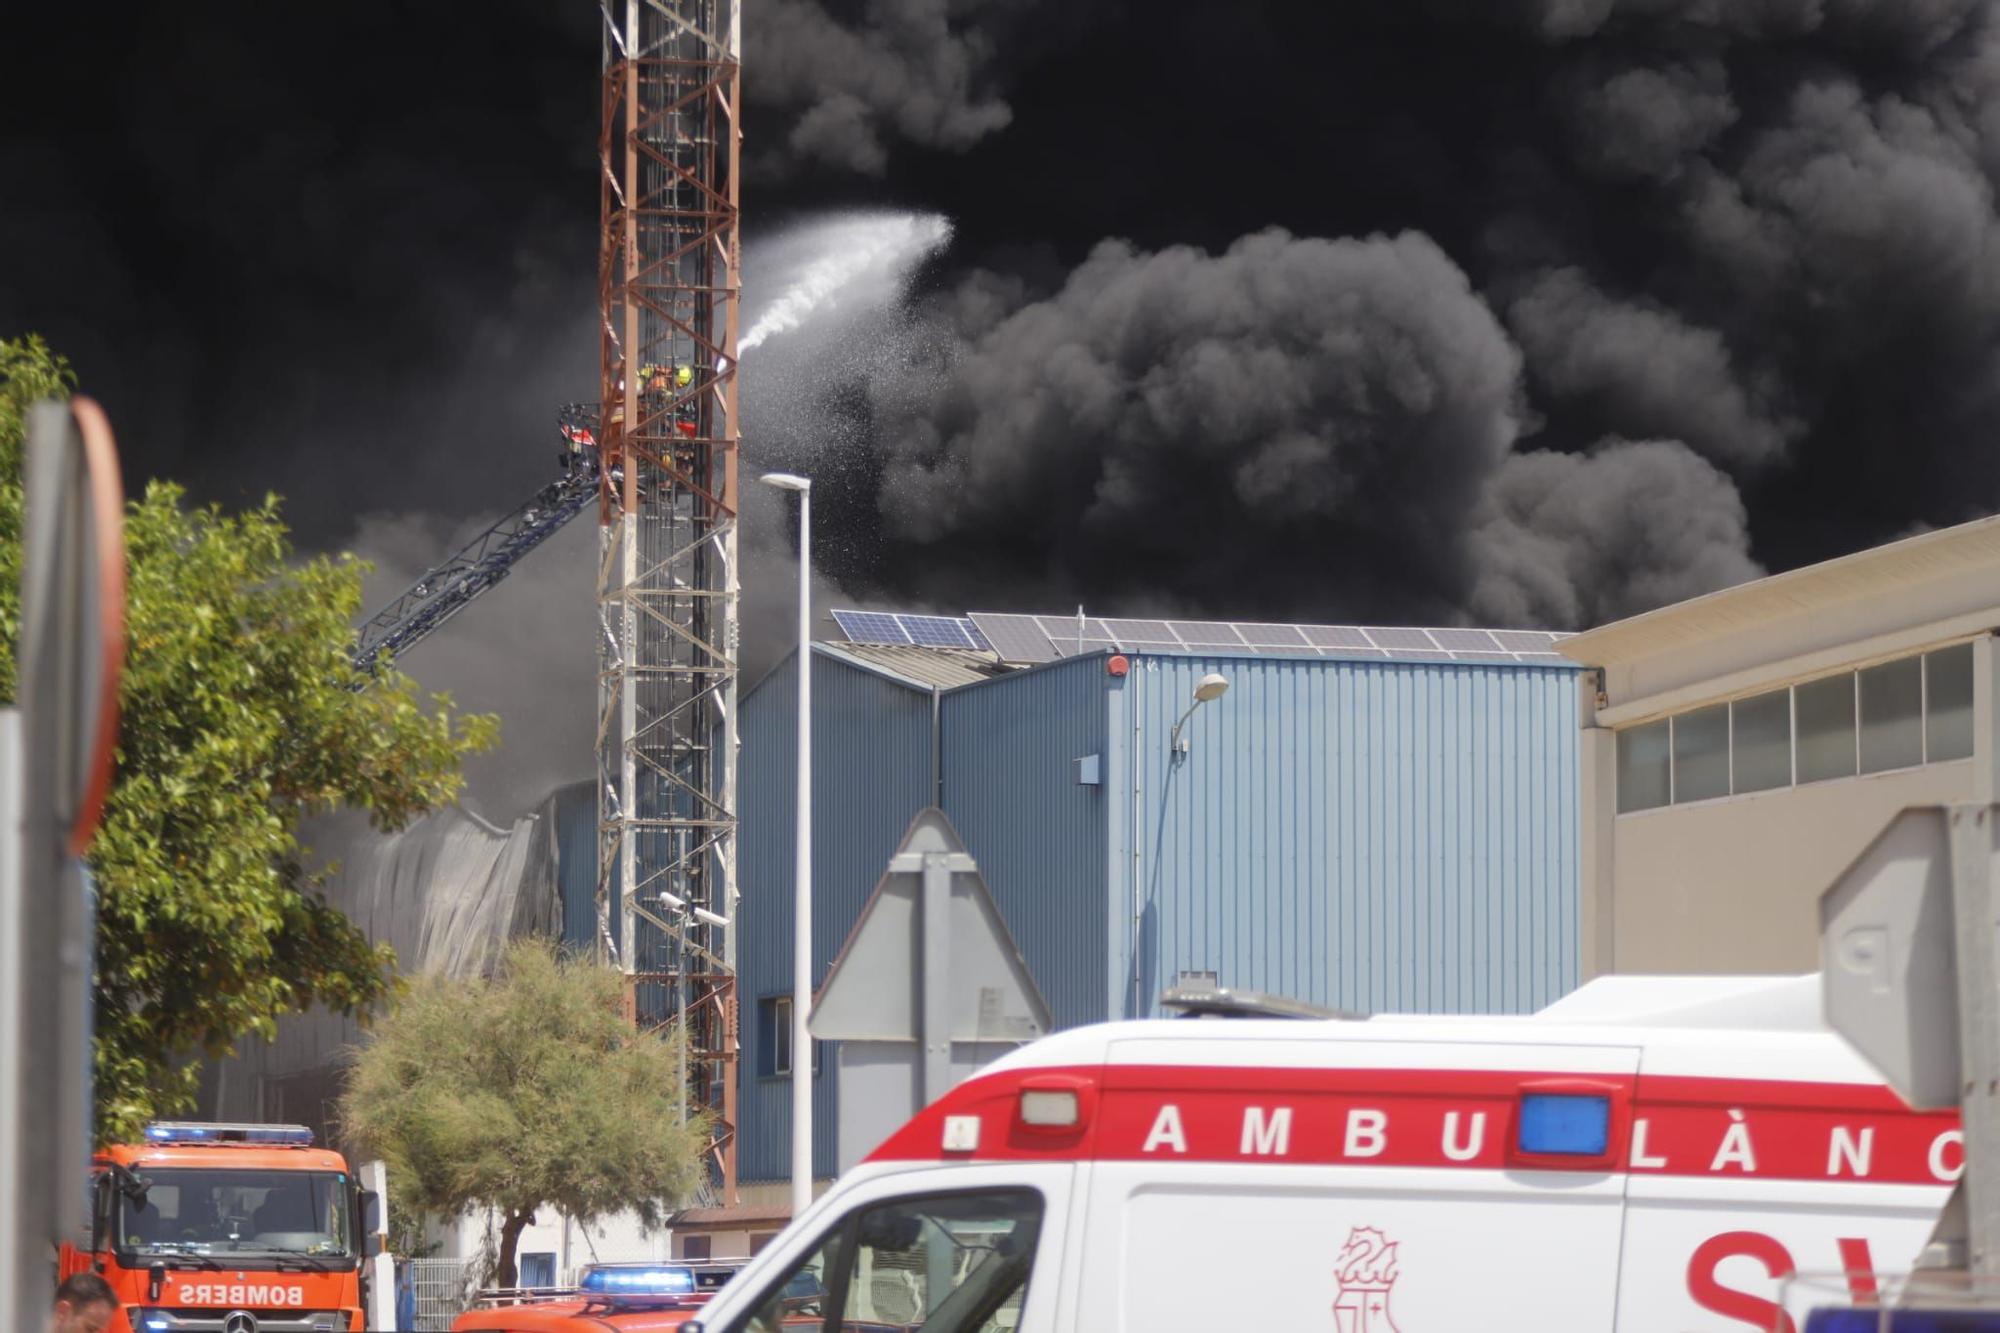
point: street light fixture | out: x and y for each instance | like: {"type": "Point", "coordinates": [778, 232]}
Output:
{"type": "Point", "coordinates": [802, 875]}
{"type": "Point", "coordinates": [1206, 690]}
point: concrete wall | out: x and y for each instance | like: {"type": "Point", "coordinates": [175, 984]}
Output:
{"type": "Point", "coordinates": [1733, 885]}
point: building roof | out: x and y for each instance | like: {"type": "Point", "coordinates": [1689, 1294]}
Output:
{"type": "Point", "coordinates": [742, 1214]}
{"type": "Point", "coordinates": [1924, 560]}
{"type": "Point", "coordinates": [994, 639]}
{"type": "Point", "coordinates": [928, 668]}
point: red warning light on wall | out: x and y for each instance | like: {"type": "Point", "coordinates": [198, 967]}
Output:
{"type": "Point", "coordinates": [1118, 665]}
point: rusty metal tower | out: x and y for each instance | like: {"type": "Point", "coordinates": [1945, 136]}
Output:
{"type": "Point", "coordinates": [668, 288]}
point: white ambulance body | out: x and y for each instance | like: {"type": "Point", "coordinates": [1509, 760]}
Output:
{"type": "Point", "coordinates": [1651, 1155]}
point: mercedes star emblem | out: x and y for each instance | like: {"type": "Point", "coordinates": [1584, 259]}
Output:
{"type": "Point", "coordinates": [239, 1321]}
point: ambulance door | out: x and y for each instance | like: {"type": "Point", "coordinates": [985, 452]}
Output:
{"type": "Point", "coordinates": [1742, 1177]}
{"type": "Point", "coordinates": [949, 1250]}
{"type": "Point", "coordinates": [1355, 1186]}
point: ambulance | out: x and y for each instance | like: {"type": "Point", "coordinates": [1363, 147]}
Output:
{"type": "Point", "coordinates": [1650, 1155]}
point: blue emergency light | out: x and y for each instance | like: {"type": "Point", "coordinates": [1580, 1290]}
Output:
{"type": "Point", "coordinates": [637, 1280]}
{"type": "Point", "coordinates": [181, 1131]}
{"type": "Point", "coordinates": [1563, 1124]}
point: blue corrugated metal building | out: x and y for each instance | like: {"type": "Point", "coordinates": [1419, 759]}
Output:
{"type": "Point", "coordinates": [1366, 834]}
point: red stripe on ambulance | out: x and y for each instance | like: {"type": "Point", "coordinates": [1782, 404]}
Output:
{"type": "Point", "coordinates": [1661, 1125]}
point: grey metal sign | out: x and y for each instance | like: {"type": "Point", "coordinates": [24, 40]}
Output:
{"type": "Point", "coordinates": [1912, 978]}
{"type": "Point", "coordinates": [1889, 961]}
{"type": "Point", "coordinates": [928, 987]}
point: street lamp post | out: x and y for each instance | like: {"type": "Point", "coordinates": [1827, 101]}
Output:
{"type": "Point", "coordinates": [802, 1161]}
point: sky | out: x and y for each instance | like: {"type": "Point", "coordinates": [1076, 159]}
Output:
{"type": "Point", "coordinates": [1530, 312]}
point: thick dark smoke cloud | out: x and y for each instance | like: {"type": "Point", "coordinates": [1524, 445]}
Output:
{"type": "Point", "coordinates": [851, 83]}
{"type": "Point", "coordinates": [1244, 433]}
{"type": "Point", "coordinates": [1709, 286]}
{"type": "Point", "coordinates": [1531, 311]}
{"type": "Point", "coordinates": [1578, 539]}
{"type": "Point", "coordinates": [1328, 396]}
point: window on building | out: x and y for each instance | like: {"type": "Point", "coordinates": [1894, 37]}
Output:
{"type": "Point", "coordinates": [1760, 740]}
{"type": "Point", "coordinates": [1825, 718]}
{"type": "Point", "coordinates": [696, 1247]}
{"type": "Point", "coordinates": [1897, 714]}
{"type": "Point", "coordinates": [1701, 754]}
{"type": "Point", "coordinates": [759, 1239]}
{"type": "Point", "coordinates": [1892, 715]}
{"type": "Point", "coordinates": [1948, 704]}
{"type": "Point", "coordinates": [1645, 773]}
{"type": "Point", "coordinates": [538, 1269]}
{"type": "Point", "coordinates": [774, 1038]}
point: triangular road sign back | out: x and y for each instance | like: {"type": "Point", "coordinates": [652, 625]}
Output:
{"type": "Point", "coordinates": [876, 988]}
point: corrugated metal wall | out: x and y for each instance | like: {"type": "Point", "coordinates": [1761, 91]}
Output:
{"type": "Point", "coordinates": [871, 774]}
{"type": "Point", "coordinates": [1010, 748]}
{"type": "Point", "coordinates": [574, 809]}
{"type": "Point", "coordinates": [1372, 835]}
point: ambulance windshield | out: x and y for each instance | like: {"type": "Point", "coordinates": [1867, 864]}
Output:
{"type": "Point", "coordinates": [237, 1213]}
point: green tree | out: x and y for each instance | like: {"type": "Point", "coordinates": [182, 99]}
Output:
{"type": "Point", "coordinates": [525, 1091]}
{"type": "Point", "coordinates": [238, 720]}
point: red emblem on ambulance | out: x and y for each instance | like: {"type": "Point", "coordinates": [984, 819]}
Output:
{"type": "Point", "coordinates": [1366, 1270]}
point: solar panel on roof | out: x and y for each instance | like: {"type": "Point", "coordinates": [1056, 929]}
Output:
{"type": "Point", "coordinates": [1207, 633]}
{"type": "Point", "coordinates": [1398, 638]}
{"type": "Point", "coordinates": [1484, 657]}
{"type": "Point", "coordinates": [1545, 657]}
{"type": "Point", "coordinates": [1071, 647]}
{"type": "Point", "coordinates": [1014, 638]}
{"type": "Point", "coordinates": [1276, 636]}
{"type": "Point", "coordinates": [1421, 654]}
{"type": "Point", "coordinates": [870, 627]}
{"type": "Point", "coordinates": [1335, 636]}
{"type": "Point", "coordinates": [1465, 640]}
{"type": "Point", "coordinates": [1151, 646]}
{"type": "Point", "coordinates": [1059, 628]}
{"type": "Point", "coordinates": [1139, 631]}
{"type": "Point", "coordinates": [972, 633]}
{"type": "Point", "coordinates": [1523, 640]}
{"type": "Point", "coordinates": [935, 631]}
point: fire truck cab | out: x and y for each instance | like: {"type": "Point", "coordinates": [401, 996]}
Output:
{"type": "Point", "coordinates": [1652, 1155]}
{"type": "Point", "coordinates": [227, 1228]}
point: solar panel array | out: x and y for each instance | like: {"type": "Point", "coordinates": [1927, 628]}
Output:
{"type": "Point", "coordinates": [1028, 639]}
{"type": "Point", "coordinates": [911, 631]}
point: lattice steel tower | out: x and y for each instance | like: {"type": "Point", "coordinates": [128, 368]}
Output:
{"type": "Point", "coordinates": [667, 575]}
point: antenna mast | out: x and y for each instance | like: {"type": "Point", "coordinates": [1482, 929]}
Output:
{"type": "Point", "coordinates": [668, 288]}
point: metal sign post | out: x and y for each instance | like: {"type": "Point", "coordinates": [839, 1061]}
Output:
{"type": "Point", "coordinates": [55, 772]}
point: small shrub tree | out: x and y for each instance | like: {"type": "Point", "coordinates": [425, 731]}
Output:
{"type": "Point", "coordinates": [525, 1091]}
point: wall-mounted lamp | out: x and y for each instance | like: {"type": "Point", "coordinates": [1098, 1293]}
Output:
{"type": "Point", "coordinates": [1207, 689]}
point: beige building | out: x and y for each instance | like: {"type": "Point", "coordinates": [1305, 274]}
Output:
{"type": "Point", "coordinates": [1741, 749]}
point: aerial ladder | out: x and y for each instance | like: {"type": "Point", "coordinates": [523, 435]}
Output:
{"type": "Point", "coordinates": [448, 587]}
